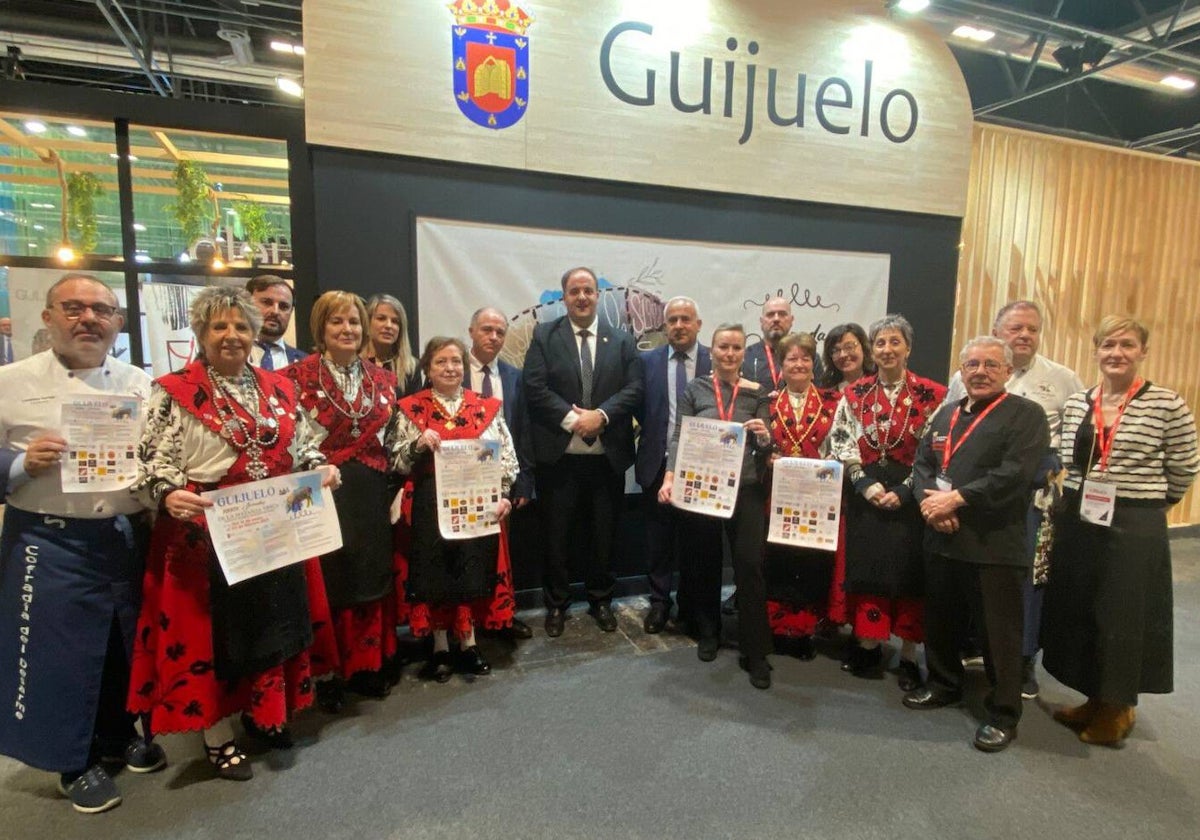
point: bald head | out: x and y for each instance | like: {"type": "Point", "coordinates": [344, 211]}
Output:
{"type": "Point", "coordinates": [487, 330]}
{"type": "Point", "coordinates": [776, 319]}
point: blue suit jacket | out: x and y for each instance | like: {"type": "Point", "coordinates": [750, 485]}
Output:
{"type": "Point", "coordinates": [516, 417]}
{"type": "Point", "coordinates": [655, 410]}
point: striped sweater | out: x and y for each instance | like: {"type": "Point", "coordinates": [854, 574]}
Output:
{"type": "Point", "coordinates": [1154, 455]}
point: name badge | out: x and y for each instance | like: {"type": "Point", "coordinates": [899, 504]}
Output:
{"type": "Point", "coordinates": [1098, 503]}
{"type": "Point", "coordinates": [944, 483]}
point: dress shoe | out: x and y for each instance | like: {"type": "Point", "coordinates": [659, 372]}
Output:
{"type": "Point", "coordinates": [471, 661]}
{"type": "Point", "coordinates": [706, 648]}
{"type": "Point", "coordinates": [331, 695]}
{"type": "Point", "coordinates": [656, 619]}
{"type": "Point", "coordinates": [275, 737]}
{"type": "Point", "coordinates": [369, 684]}
{"type": "Point", "coordinates": [992, 738]}
{"type": "Point", "coordinates": [799, 647]}
{"type": "Point", "coordinates": [1077, 717]}
{"type": "Point", "coordinates": [909, 678]}
{"type": "Point", "coordinates": [864, 662]}
{"type": "Point", "coordinates": [928, 698]}
{"type": "Point", "coordinates": [556, 619]}
{"type": "Point", "coordinates": [603, 614]}
{"type": "Point", "coordinates": [759, 670]}
{"type": "Point", "coordinates": [1110, 725]}
{"type": "Point", "coordinates": [729, 605]}
{"type": "Point", "coordinates": [439, 667]}
{"type": "Point", "coordinates": [518, 630]}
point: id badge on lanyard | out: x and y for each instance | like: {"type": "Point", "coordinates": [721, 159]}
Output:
{"type": "Point", "coordinates": [1098, 502]}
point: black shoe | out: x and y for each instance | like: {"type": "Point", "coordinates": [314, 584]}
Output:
{"type": "Point", "coordinates": [556, 619]}
{"type": "Point", "coordinates": [331, 696]}
{"type": "Point", "coordinates": [369, 684]}
{"type": "Point", "coordinates": [656, 619]}
{"type": "Point", "coordinates": [804, 649]}
{"type": "Point", "coordinates": [143, 757]}
{"type": "Point", "coordinates": [277, 737]}
{"type": "Point", "coordinates": [471, 661]}
{"type": "Point", "coordinates": [230, 762]}
{"type": "Point", "coordinates": [927, 698]}
{"type": "Point", "coordinates": [603, 614]}
{"type": "Point", "coordinates": [758, 669]}
{"type": "Point", "coordinates": [992, 738]}
{"type": "Point", "coordinates": [438, 667]}
{"type": "Point", "coordinates": [393, 668]}
{"type": "Point", "coordinates": [706, 648]}
{"type": "Point", "coordinates": [864, 662]}
{"type": "Point", "coordinates": [729, 605]}
{"type": "Point", "coordinates": [92, 792]}
{"type": "Point", "coordinates": [517, 631]}
{"type": "Point", "coordinates": [1029, 683]}
{"type": "Point", "coordinates": [909, 675]}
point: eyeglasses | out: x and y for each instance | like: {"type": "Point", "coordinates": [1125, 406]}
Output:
{"type": "Point", "coordinates": [74, 310]}
{"type": "Point", "coordinates": [846, 349]}
{"type": "Point", "coordinates": [990, 365]}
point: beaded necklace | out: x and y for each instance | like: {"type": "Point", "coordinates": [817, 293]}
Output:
{"type": "Point", "coordinates": [446, 412]}
{"type": "Point", "coordinates": [876, 434]}
{"type": "Point", "coordinates": [233, 428]}
{"type": "Point", "coordinates": [797, 440]}
{"type": "Point", "coordinates": [362, 404]}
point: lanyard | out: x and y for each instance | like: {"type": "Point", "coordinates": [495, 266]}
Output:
{"type": "Point", "coordinates": [771, 365]}
{"type": "Point", "coordinates": [1105, 441]}
{"type": "Point", "coordinates": [950, 449]}
{"type": "Point", "coordinates": [721, 402]}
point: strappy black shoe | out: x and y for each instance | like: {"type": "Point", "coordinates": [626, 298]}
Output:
{"type": "Point", "coordinates": [230, 762]}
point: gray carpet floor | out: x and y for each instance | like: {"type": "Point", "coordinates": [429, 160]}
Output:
{"type": "Point", "coordinates": [625, 735]}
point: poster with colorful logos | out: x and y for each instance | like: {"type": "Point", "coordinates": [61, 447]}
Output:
{"type": "Point", "coordinates": [806, 503]}
{"type": "Point", "coordinates": [261, 526]}
{"type": "Point", "coordinates": [468, 488]}
{"type": "Point", "coordinates": [708, 467]}
{"type": "Point", "coordinates": [102, 433]}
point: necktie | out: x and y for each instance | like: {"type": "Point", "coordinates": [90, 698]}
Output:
{"type": "Point", "coordinates": [680, 384]}
{"type": "Point", "coordinates": [585, 368]}
{"type": "Point", "coordinates": [267, 362]}
{"type": "Point", "coordinates": [485, 387]}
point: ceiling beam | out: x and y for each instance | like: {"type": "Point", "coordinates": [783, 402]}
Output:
{"type": "Point", "coordinates": [132, 40]}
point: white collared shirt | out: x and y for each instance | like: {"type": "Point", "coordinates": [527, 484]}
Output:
{"type": "Point", "coordinates": [578, 446]}
{"type": "Point", "coordinates": [279, 356]}
{"type": "Point", "coordinates": [477, 377]}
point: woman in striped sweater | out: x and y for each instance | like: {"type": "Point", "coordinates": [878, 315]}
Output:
{"type": "Point", "coordinates": [1129, 447]}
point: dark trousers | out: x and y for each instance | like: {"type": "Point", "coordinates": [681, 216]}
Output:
{"type": "Point", "coordinates": [662, 526]}
{"type": "Point", "coordinates": [114, 725]}
{"type": "Point", "coordinates": [700, 570]}
{"type": "Point", "coordinates": [953, 591]}
{"type": "Point", "coordinates": [580, 498]}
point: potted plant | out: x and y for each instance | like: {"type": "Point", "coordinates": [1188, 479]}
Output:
{"type": "Point", "coordinates": [191, 207]}
{"type": "Point", "coordinates": [257, 226]}
{"type": "Point", "coordinates": [83, 188]}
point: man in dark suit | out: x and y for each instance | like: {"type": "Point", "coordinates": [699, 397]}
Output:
{"type": "Point", "coordinates": [667, 371]}
{"type": "Point", "coordinates": [273, 297]}
{"type": "Point", "coordinates": [973, 474]}
{"type": "Point", "coordinates": [583, 381]}
{"type": "Point", "coordinates": [488, 375]}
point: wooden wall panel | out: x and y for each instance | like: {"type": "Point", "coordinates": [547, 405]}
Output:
{"type": "Point", "coordinates": [1086, 231]}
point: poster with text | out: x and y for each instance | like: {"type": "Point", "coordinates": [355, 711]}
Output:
{"type": "Point", "coordinates": [806, 503]}
{"type": "Point", "coordinates": [708, 468]}
{"type": "Point", "coordinates": [468, 488]}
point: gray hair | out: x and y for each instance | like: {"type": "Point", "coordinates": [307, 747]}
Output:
{"type": "Point", "coordinates": [986, 341]}
{"type": "Point", "coordinates": [684, 299]}
{"type": "Point", "coordinates": [214, 300]}
{"type": "Point", "coordinates": [891, 321]}
{"type": "Point", "coordinates": [475, 316]}
{"type": "Point", "coordinates": [1012, 306]}
{"type": "Point", "coordinates": [79, 275]}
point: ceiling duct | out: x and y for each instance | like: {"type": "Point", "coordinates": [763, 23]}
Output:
{"type": "Point", "coordinates": [239, 41]}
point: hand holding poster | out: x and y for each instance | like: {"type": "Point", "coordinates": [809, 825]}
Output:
{"type": "Point", "coordinates": [806, 503]}
{"type": "Point", "coordinates": [708, 467]}
{"type": "Point", "coordinates": [468, 476]}
{"type": "Point", "coordinates": [102, 434]}
{"type": "Point", "coordinates": [265, 525]}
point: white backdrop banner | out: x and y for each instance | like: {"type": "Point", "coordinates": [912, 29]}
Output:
{"type": "Point", "coordinates": [462, 266]}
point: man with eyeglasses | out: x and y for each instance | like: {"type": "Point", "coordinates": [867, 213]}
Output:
{"type": "Point", "coordinates": [972, 475]}
{"type": "Point", "coordinates": [1049, 384]}
{"type": "Point", "coordinates": [70, 563]}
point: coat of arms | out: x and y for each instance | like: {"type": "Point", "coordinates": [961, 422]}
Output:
{"type": "Point", "coordinates": [491, 61]}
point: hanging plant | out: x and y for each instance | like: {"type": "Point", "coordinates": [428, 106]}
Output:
{"type": "Point", "coordinates": [191, 207]}
{"type": "Point", "coordinates": [83, 188]}
{"type": "Point", "coordinates": [257, 226]}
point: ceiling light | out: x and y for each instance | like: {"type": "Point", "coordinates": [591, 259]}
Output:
{"type": "Point", "coordinates": [142, 258]}
{"type": "Point", "coordinates": [139, 227]}
{"type": "Point", "coordinates": [217, 263]}
{"type": "Point", "coordinates": [65, 253]}
{"type": "Point", "coordinates": [912, 6]}
{"type": "Point", "coordinates": [33, 244]}
{"type": "Point", "coordinates": [76, 131]}
{"type": "Point", "coordinates": [971, 33]}
{"type": "Point", "coordinates": [115, 156]}
{"type": "Point", "coordinates": [39, 227]}
{"type": "Point", "coordinates": [289, 86]}
{"type": "Point", "coordinates": [41, 205]}
{"type": "Point", "coordinates": [1178, 82]}
{"type": "Point", "coordinates": [35, 127]}
{"type": "Point", "coordinates": [287, 47]}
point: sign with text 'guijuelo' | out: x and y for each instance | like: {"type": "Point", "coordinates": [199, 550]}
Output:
{"type": "Point", "coordinates": [828, 101]}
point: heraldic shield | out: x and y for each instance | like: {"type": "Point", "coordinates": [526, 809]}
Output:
{"type": "Point", "coordinates": [491, 61]}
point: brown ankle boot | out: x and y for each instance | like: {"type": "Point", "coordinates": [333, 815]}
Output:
{"type": "Point", "coordinates": [1110, 725]}
{"type": "Point", "coordinates": [1077, 717]}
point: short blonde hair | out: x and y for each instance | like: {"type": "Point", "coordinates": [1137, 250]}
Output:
{"type": "Point", "coordinates": [326, 305]}
{"type": "Point", "coordinates": [1111, 324]}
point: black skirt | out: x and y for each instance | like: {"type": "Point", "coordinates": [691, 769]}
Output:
{"type": "Point", "coordinates": [799, 577]}
{"type": "Point", "coordinates": [442, 571]}
{"type": "Point", "coordinates": [1108, 625]}
{"type": "Point", "coordinates": [883, 547]}
{"type": "Point", "coordinates": [361, 570]}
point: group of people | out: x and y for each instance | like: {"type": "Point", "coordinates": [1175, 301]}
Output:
{"type": "Point", "coordinates": [113, 606]}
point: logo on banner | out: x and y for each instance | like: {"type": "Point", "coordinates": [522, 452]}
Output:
{"type": "Point", "coordinates": [491, 61]}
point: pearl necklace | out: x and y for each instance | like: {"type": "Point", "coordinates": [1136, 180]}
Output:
{"type": "Point", "coordinates": [234, 429]}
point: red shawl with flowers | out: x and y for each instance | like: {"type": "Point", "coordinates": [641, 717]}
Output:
{"type": "Point", "coordinates": [893, 430]}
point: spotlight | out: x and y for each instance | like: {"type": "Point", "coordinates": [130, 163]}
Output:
{"type": "Point", "coordinates": [35, 127]}
{"type": "Point", "coordinates": [1094, 50]}
{"type": "Point", "coordinates": [1178, 82]}
{"type": "Point", "coordinates": [1069, 58]}
{"type": "Point", "coordinates": [65, 253]}
{"type": "Point", "coordinates": [290, 86]}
